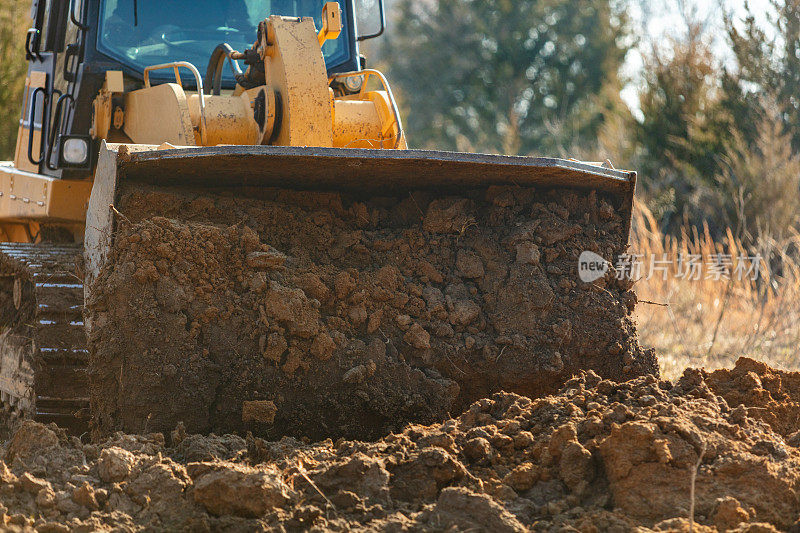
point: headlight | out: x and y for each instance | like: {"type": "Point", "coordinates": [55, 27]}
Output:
{"type": "Point", "coordinates": [354, 83]}
{"type": "Point", "coordinates": [74, 151]}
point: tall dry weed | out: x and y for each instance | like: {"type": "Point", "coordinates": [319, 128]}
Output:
{"type": "Point", "coordinates": [711, 322]}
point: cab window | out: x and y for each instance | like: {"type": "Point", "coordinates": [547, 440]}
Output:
{"type": "Point", "coordinates": [147, 32]}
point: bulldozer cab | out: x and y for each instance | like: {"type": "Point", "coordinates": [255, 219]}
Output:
{"type": "Point", "coordinates": [71, 45]}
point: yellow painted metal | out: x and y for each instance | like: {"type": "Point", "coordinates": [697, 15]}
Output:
{"type": "Point", "coordinates": [102, 114]}
{"type": "Point", "coordinates": [158, 114]}
{"type": "Point", "coordinates": [229, 119]}
{"type": "Point", "coordinates": [392, 126]}
{"type": "Point", "coordinates": [30, 196]}
{"type": "Point", "coordinates": [18, 231]}
{"type": "Point", "coordinates": [115, 82]}
{"type": "Point", "coordinates": [331, 22]}
{"type": "Point", "coordinates": [356, 124]}
{"type": "Point", "coordinates": [176, 66]}
{"type": "Point", "coordinates": [31, 231]}
{"type": "Point", "coordinates": [295, 68]}
{"type": "Point", "coordinates": [366, 120]}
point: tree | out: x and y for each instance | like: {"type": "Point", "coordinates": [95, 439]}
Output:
{"type": "Point", "coordinates": [757, 192]}
{"type": "Point", "coordinates": [13, 24]}
{"type": "Point", "coordinates": [515, 77]}
{"type": "Point", "coordinates": [680, 124]}
{"type": "Point", "coordinates": [719, 139]}
{"type": "Point", "coordinates": [767, 62]}
{"type": "Point", "coordinates": [684, 128]}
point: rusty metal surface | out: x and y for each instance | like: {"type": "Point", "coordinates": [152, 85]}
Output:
{"type": "Point", "coordinates": [364, 170]}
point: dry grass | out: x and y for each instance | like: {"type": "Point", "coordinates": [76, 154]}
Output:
{"type": "Point", "coordinates": [710, 323]}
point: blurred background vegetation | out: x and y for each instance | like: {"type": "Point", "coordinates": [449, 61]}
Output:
{"type": "Point", "coordinates": [14, 22]}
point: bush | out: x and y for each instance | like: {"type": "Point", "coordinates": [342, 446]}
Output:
{"type": "Point", "coordinates": [757, 191]}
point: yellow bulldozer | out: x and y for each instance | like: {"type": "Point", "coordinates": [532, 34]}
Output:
{"type": "Point", "coordinates": [113, 94]}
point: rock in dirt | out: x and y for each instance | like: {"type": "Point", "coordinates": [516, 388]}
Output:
{"type": "Point", "coordinates": [236, 490]}
{"type": "Point", "coordinates": [115, 464]}
{"type": "Point", "coordinates": [31, 484]}
{"type": "Point", "coordinates": [30, 439]}
{"type": "Point", "coordinates": [462, 509]}
{"type": "Point", "coordinates": [259, 411]}
{"type": "Point", "coordinates": [265, 260]}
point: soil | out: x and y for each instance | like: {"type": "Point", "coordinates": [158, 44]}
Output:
{"type": "Point", "coordinates": [315, 314]}
{"type": "Point", "coordinates": [597, 456]}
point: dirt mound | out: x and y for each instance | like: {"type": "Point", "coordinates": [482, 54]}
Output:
{"type": "Point", "coordinates": [597, 456]}
{"type": "Point", "coordinates": [763, 393]}
{"type": "Point", "coordinates": [322, 314]}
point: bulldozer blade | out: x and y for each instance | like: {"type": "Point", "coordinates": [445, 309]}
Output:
{"type": "Point", "coordinates": [358, 171]}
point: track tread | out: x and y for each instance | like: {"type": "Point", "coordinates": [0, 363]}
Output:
{"type": "Point", "coordinates": [59, 338]}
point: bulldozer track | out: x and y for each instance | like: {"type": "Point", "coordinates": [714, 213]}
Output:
{"type": "Point", "coordinates": [43, 352]}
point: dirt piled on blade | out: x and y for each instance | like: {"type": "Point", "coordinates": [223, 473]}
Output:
{"type": "Point", "coordinates": [325, 315]}
{"type": "Point", "coordinates": [598, 456]}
